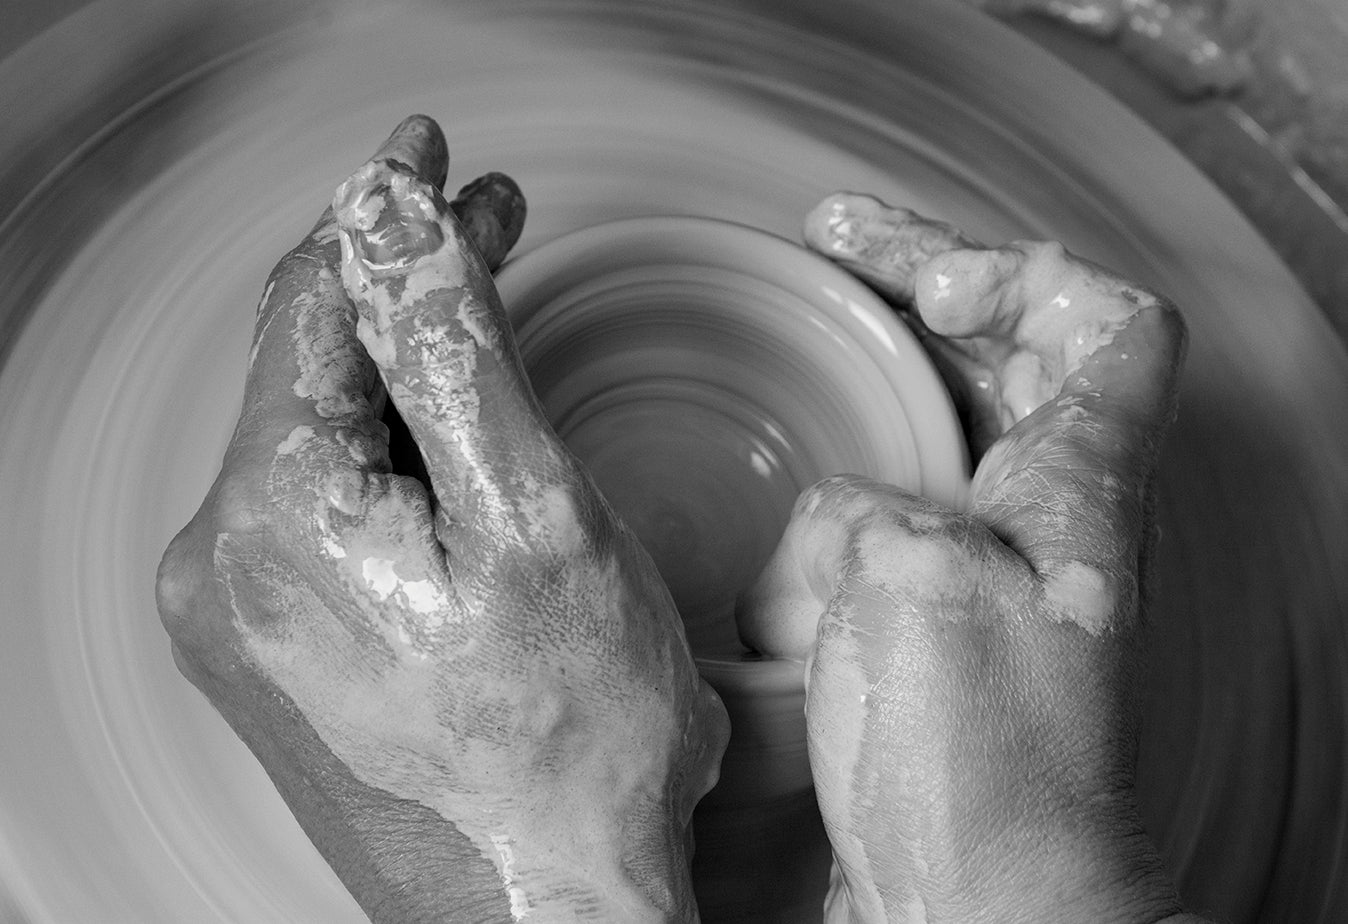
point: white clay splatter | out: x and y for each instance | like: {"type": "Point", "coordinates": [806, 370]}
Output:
{"type": "Point", "coordinates": [424, 597]}
{"type": "Point", "coordinates": [519, 902]}
{"type": "Point", "coordinates": [548, 512]}
{"type": "Point", "coordinates": [326, 357]}
{"type": "Point", "coordinates": [1080, 594]}
{"type": "Point", "coordinates": [365, 211]}
{"type": "Point", "coordinates": [379, 576]}
{"type": "Point", "coordinates": [295, 440]}
{"type": "Point", "coordinates": [333, 548]}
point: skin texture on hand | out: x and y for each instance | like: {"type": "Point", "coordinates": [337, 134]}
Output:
{"type": "Point", "coordinates": [971, 703]}
{"type": "Point", "coordinates": [477, 699]}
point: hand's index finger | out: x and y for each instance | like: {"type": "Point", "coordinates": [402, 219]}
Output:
{"type": "Point", "coordinates": [884, 245]}
{"type": "Point", "coordinates": [433, 322]}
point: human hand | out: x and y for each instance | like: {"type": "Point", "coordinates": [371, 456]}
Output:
{"type": "Point", "coordinates": [477, 699]}
{"type": "Point", "coordinates": [972, 703]}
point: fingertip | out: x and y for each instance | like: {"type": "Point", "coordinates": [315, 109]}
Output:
{"type": "Point", "coordinates": [1166, 329]}
{"type": "Point", "coordinates": [419, 144]}
{"type": "Point", "coordinates": [832, 227]}
{"type": "Point", "coordinates": [778, 615]}
{"type": "Point", "coordinates": [1138, 369]}
{"type": "Point", "coordinates": [882, 244]}
{"type": "Point", "coordinates": [492, 210]}
{"type": "Point", "coordinates": [959, 293]}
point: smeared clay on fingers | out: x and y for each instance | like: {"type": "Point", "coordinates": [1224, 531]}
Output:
{"type": "Point", "coordinates": [882, 244]}
{"type": "Point", "coordinates": [885, 246]}
{"type": "Point", "coordinates": [478, 700]}
{"type": "Point", "coordinates": [306, 367]}
{"type": "Point", "coordinates": [1085, 367]}
{"type": "Point", "coordinates": [569, 787]}
{"type": "Point", "coordinates": [968, 670]}
{"type": "Point", "coordinates": [432, 321]}
{"type": "Point", "coordinates": [1013, 321]}
{"type": "Point", "coordinates": [491, 208]}
{"type": "Point", "coordinates": [1039, 311]}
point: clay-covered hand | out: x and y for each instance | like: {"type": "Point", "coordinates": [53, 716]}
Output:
{"type": "Point", "coordinates": [972, 706]}
{"type": "Point", "coordinates": [476, 695]}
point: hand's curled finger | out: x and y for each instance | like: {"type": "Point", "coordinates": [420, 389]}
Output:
{"type": "Point", "coordinates": [1030, 311]}
{"type": "Point", "coordinates": [492, 211]}
{"type": "Point", "coordinates": [972, 696]}
{"type": "Point", "coordinates": [883, 245]}
{"type": "Point", "coordinates": [1065, 373]}
{"type": "Point", "coordinates": [1085, 369]}
{"type": "Point", "coordinates": [432, 321]}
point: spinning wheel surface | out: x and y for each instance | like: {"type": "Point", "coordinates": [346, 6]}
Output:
{"type": "Point", "coordinates": [160, 156]}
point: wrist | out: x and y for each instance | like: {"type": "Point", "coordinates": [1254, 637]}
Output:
{"type": "Point", "coordinates": [402, 861]}
{"type": "Point", "coordinates": [405, 862]}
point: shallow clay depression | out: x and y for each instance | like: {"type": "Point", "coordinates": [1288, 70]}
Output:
{"type": "Point", "coordinates": [157, 160]}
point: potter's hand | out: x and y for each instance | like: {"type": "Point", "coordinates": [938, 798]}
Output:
{"type": "Point", "coordinates": [477, 699]}
{"type": "Point", "coordinates": [971, 703]}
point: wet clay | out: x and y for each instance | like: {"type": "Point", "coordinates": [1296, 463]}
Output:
{"type": "Point", "coordinates": [130, 275]}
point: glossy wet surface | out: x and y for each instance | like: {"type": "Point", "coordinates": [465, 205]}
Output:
{"type": "Point", "coordinates": [144, 226]}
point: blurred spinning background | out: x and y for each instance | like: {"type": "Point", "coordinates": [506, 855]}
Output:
{"type": "Point", "coordinates": [157, 155]}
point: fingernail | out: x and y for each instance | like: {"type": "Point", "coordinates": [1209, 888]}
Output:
{"type": "Point", "coordinates": [835, 225]}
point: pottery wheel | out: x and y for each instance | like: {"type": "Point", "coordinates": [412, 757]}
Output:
{"type": "Point", "coordinates": [158, 157]}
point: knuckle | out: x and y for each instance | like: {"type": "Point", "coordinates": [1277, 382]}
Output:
{"type": "Point", "coordinates": [194, 567]}
{"type": "Point", "coordinates": [1049, 263]}
{"type": "Point", "coordinates": [304, 278]}
{"type": "Point", "coordinates": [1040, 263]}
{"type": "Point", "coordinates": [1050, 255]}
{"type": "Point", "coordinates": [190, 594]}
{"type": "Point", "coordinates": [1039, 270]}
{"type": "Point", "coordinates": [838, 497]}
{"type": "Point", "coordinates": [239, 506]}
{"type": "Point", "coordinates": [180, 582]}
{"type": "Point", "coordinates": [866, 504]}
{"type": "Point", "coordinates": [920, 552]}
{"type": "Point", "coordinates": [914, 547]}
